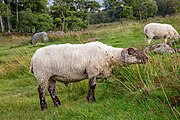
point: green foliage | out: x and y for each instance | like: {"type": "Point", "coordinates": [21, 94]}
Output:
{"type": "Point", "coordinates": [74, 15]}
{"type": "Point", "coordinates": [127, 12]}
{"type": "Point", "coordinates": [99, 17]}
{"type": "Point", "coordinates": [30, 22]}
{"type": "Point", "coordinates": [19, 15]}
{"type": "Point", "coordinates": [168, 7]}
{"type": "Point", "coordinates": [93, 6]}
{"type": "Point", "coordinates": [116, 10]}
{"type": "Point", "coordinates": [113, 8]}
{"type": "Point", "coordinates": [3, 9]}
{"type": "Point", "coordinates": [36, 6]}
{"type": "Point", "coordinates": [27, 21]}
{"type": "Point", "coordinates": [71, 15]}
{"type": "Point", "coordinates": [44, 22]}
{"type": "Point", "coordinates": [144, 8]}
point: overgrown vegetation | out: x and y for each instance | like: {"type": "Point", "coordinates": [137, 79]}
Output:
{"type": "Point", "coordinates": [150, 91]}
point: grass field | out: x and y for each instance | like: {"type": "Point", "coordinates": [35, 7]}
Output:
{"type": "Point", "coordinates": [150, 91]}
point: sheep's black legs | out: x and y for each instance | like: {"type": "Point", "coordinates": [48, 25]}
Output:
{"type": "Point", "coordinates": [92, 85]}
{"type": "Point", "coordinates": [42, 98]}
{"type": "Point", "coordinates": [52, 91]}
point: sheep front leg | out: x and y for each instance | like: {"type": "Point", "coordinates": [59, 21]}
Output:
{"type": "Point", "coordinates": [42, 98]}
{"type": "Point", "coordinates": [52, 91]}
{"type": "Point", "coordinates": [92, 85]}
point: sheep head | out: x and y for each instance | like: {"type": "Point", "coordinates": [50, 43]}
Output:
{"type": "Point", "coordinates": [134, 56]}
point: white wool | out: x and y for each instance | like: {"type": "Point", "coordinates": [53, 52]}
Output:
{"type": "Point", "coordinates": [71, 63]}
{"type": "Point", "coordinates": [158, 31]}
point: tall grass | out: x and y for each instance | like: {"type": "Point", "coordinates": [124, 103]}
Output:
{"type": "Point", "coordinates": [159, 79]}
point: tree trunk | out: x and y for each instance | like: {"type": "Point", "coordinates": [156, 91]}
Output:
{"type": "Point", "coordinates": [9, 26]}
{"type": "Point", "coordinates": [8, 15]}
{"type": "Point", "coordinates": [2, 26]}
{"type": "Point", "coordinates": [63, 21]}
{"type": "Point", "coordinates": [139, 10]}
{"type": "Point", "coordinates": [17, 16]}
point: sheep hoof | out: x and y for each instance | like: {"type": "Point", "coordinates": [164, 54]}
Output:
{"type": "Point", "coordinates": [57, 104]}
{"type": "Point", "coordinates": [44, 107]}
{"type": "Point", "coordinates": [56, 101]}
{"type": "Point", "coordinates": [91, 100]}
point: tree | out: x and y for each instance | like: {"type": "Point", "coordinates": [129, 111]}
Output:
{"type": "Point", "coordinates": [8, 14]}
{"type": "Point", "coordinates": [144, 8]}
{"type": "Point", "coordinates": [59, 13]}
{"type": "Point", "coordinates": [44, 22]}
{"type": "Point", "coordinates": [127, 12]}
{"type": "Point", "coordinates": [167, 7]}
{"type": "Point", "coordinates": [100, 17]}
{"type": "Point", "coordinates": [27, 21]}
{"type": "Point", "coordinates": [93, 6]}
{"type": "Point", "coordinates": [71, 14]}
{"type": "Point", "coordinates": [36, 6]}
{"type": "Point", "coordinates": [2, 13]}
{"type": "Point", "coordinates": [113, 8]}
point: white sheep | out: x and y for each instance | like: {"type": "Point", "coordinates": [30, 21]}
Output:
{"type": "Point", "coordinates": [158, 31]}
{"type": "Point", "coordinates": [75, 62]}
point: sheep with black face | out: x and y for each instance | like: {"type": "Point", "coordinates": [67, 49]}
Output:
{"type": "Point", "coordinates": [68, 63]}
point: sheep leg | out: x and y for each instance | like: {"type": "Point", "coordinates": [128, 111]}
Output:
{"type": "Point", "coordinates": [92, 85]}
{"type": "Point", "coordinates": [42, 98]}
{"type": "Point", "coordinates": [52, 91]}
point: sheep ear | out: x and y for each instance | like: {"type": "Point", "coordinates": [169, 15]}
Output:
{"type": "Point", "coordinates": [131, 51]}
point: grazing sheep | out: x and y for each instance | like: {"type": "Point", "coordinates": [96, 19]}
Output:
{"type": "Point", "coordinates": [158, 31]}
{"type": "Point", "coordinates": [72, 63]}
{"type": "Point", "coordinates": [39, 38]}
{"type": "Point", "coordinates": [159, 48]}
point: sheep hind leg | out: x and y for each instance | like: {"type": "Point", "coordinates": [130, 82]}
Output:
{"type": "Point", "coordinates": [92, 85]}
{"type": "Point", "coordinates": [42, 98]}
{"type": "Point", "coordinates": [52, 91]}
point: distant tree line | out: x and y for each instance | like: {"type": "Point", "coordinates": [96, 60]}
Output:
{"type": "Point", "coordinates": [73, 15]}
{"type": "Point", "coordinates": [115, 10]}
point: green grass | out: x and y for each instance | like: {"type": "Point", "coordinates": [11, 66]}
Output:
{"type": "Point", "coordinates": [150, 91]}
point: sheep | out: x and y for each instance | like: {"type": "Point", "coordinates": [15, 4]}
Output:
{"type": "Point", "coordinates": [158, 31]}
{"type": "Point", "coordinates": [69, 63]}
{"type": "Point", "coordinates": [39, 38]}
{"type": "Point", "coordinates": [159, 48]}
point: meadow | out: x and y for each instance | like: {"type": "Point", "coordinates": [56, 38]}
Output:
{"type": "Point", "coordinates": [150, 91]}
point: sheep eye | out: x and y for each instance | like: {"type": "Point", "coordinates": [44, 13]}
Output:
{"type": "Point", "coordinates": [131, 51]}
